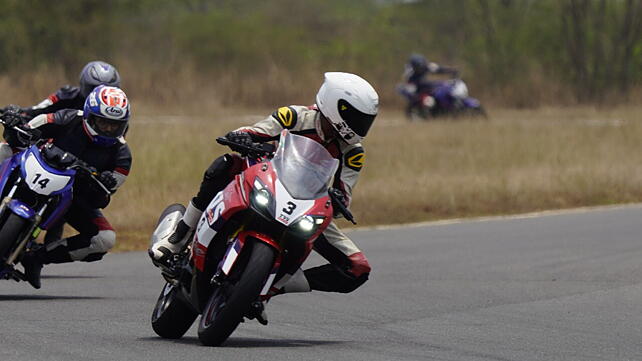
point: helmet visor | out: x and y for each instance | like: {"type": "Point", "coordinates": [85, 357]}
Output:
{"type": "Point", "coordinates": [358, 121]}
{"type": "Point", "coordinates": [107, 127]}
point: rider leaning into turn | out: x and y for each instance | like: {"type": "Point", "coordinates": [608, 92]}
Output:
{"type": "Point", "coordinates": [96, 136]}
{"type": "Point", "coordinates": [346, 106]}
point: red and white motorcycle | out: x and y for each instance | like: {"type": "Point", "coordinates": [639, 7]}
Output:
{"type": "Point", "coordinates": [252, 236]}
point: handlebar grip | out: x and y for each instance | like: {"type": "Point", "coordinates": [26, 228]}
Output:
{"type": "Point", "coordinates": [252, 150]}
{"type": "Point", "coordinates": [223, 141]}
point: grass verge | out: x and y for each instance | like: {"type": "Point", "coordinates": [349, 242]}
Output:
{"type": "Point", "coordinates": [514, 162]}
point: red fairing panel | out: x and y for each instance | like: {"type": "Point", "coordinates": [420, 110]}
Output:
{"type": "Point", "coordinates": [227, 203]}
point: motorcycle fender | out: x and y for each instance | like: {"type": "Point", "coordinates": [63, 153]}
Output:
{"type": "Point", "coordinates": [21, 209]}
{"type": "Point", "coordinates": [234, 250]}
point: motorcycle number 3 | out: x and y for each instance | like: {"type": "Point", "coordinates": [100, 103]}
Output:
{"type": "Point", "coordinates": [289, 208]}
{"type": "Point", "coordinates": [42, 182]}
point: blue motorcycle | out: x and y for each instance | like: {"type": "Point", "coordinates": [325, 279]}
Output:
{"type": "Point", "coordinates": [36, 187]}
{"type": "Point", "coordinates": [439, 99]}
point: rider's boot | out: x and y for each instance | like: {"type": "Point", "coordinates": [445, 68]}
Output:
{"type": "Point", "coordinates": [32, 263]}
{"type": "Point", "coordinates": [162, 251]}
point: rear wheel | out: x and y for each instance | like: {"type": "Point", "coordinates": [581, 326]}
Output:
{"type": "Point", "coordinates": [232, 299]}
{"type": "Point", "coordinates": [172, 317]}
{"type": "Point", "coordinates": [10, 233]}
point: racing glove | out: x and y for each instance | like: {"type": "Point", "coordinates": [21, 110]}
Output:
{"type": "Point", "coordinates": [339, 201]}
{"type": "Point", "coordinates": [240, 138]}
{"type": "Point", "coordinates": [108, 180]}
{"type": "Point", "coordinates": [11, 115]}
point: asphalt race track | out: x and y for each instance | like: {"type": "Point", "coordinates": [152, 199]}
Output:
{"type": "Point", "coordinates": [552, 287]}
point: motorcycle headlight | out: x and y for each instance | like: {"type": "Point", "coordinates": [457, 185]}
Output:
{"type": "Point", "coordinates": [308, 224]}
{"type": "Point", "coordinates": [261, 198]}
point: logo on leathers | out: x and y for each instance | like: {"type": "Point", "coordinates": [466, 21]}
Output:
{"type": "Point", "coordinates": [356, 161]}
{"type": "Point", "coordinates": [286, 116]}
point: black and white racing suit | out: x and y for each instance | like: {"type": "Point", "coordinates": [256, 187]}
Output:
{"type": "Point", "coordinates": [65, 128]}
{"type": "Point", "coordinates": [67, 97]}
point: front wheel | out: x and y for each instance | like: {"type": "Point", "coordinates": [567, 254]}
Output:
{"type": "Point", "coordinates": [10, 233]}
{"type": "Point", "coordinates": [232, 299]}
{"type": "Point", "coordinates": [172, 317]}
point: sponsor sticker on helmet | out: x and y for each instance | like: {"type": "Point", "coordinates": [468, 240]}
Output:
{"type": "Point", "coordinates": [114, 111]}
{"type": "Point", "coordinates": [286, 116]}
{"type": "Point", "coordinates": [113, 97]}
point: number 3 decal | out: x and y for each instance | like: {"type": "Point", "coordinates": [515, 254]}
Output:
{"type": "Point", "coordinates": [290, 207]}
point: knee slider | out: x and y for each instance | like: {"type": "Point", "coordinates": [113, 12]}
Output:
{"type": "Point", "coordinates": [103, 241]}
{"type": "Point", "coordinates": [98, 246]}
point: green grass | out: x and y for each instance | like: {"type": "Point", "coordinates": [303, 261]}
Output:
{"type": "Point", "coordinates": [516, 161]}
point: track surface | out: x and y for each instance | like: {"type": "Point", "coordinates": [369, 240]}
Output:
{"type": "Point", "coordinates": [557, 287]}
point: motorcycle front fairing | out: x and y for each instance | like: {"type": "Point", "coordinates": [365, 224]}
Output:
{"type": "Point", "coordinates": [272, 214]}
{"type": "Point", "coordinates": [40, 178]}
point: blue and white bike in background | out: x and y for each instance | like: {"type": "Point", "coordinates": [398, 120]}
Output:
{"type": "Point", "coordinates": [36, 188]}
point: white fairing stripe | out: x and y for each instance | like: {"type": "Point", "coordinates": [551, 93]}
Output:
{"type": "Point", "coordinates": [268, 284]}
{"type": "Point", "coordinates": [231, 256]}
{"type": "Point", "coordinates": [40, 180]}
{"type": "Point", "coordinates": [212, 212]}
{"type": "Point", "coordinates": [289, 209]}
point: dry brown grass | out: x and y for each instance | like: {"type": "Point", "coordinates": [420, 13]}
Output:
{"type": "Point", "coordinates": [516, 161]}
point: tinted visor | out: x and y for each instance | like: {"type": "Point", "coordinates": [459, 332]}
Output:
{"type": "Point", "coordinates": [107, 127]}
{"type": "Point", "coordinates": [359, 122]}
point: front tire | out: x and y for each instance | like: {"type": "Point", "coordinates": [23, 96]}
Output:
{"type": "Point", "coordinates": [172, 317]}
{"type": "Point", "coordinates": [231, 301]}
{"type": "Point", "coordinates": [10, 233]}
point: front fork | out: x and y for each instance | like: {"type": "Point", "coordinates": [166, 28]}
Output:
{"type": "Point", "coordinates": [32, 232]}
{"type": "Point", "coordinates": [235, 246]}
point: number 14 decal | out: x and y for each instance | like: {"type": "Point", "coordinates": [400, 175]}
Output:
{"type": "Point", "coordinates": [41, 182]}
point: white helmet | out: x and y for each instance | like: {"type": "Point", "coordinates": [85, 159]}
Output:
{"type": "Point", "coordinates": [350, 103]}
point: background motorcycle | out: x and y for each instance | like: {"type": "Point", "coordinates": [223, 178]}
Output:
{"type": "Point", "coordinates": [36, 186]}
{"type": "Point", "coordinates": [445, 98]}
{"type": "Point", "coordinates": [252, 236]}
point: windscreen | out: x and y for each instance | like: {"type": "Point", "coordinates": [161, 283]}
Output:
{"type": "Point", "coordinates": [305, 168]}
